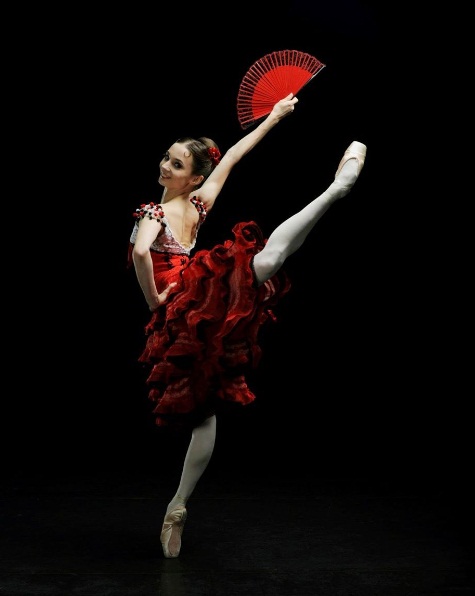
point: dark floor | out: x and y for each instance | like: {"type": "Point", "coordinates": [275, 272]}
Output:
{"type": "Point", "coordinates": [255, 533]}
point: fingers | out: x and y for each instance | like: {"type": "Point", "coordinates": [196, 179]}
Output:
{"type": "Point", "coordinates": [290, 98]}
{"type": "Point", "coordinates": [162, 297]}
{"type": "Point", "coordinates": [167, 289]}
{"type": "Point", "coordinates": [287, 105]}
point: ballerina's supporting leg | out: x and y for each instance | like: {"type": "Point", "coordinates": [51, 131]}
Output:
{"type": "Point", "coordinates": [291, 234]}
{"type": "Point", "coordinates": [196, 461]}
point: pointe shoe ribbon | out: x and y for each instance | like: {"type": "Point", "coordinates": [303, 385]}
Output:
{"type": "Point", "coordinates": [172, 529]}
{"type": "Point", "coordinates": [355, 151]}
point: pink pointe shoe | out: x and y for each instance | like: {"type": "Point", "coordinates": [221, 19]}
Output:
{"type": "Point", "coordinates": [355, 151]}
{"type": "Point", "coordinates": [172, 530]}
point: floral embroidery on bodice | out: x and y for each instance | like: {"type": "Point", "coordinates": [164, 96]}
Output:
{"type": "Point", "coordinates": [166, 242]}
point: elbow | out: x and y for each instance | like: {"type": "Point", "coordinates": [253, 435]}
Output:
{"type": "Point", "coordinates": [231, 157]}
{"type": "Point", "coordinates": [139, 253]}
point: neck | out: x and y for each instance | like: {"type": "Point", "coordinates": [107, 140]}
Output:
{"type": "Point", "coordinates": [169, 195]}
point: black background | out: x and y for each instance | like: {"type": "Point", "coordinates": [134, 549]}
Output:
{"type": "Point", "coordinates": [362, 372]}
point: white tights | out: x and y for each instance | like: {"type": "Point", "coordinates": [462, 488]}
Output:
{"type": "Point", "coordinates": [291, 234]}
{"type": "Point", "coordinates": [283, 241]}
{"type": "Point", "coordinates": [197, 459]}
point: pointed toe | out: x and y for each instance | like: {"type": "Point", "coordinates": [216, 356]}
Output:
{"type": "Point", "coordinates": [172, 529]}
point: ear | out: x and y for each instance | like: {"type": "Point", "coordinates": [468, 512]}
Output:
{"type": "Point", "coordinates": [198, 179]}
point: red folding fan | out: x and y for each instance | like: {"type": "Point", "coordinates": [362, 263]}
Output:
{"type": "Point", "coordinates": [272, 78]}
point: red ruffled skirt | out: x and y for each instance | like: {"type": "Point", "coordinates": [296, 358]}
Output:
{"type": "Point", "coordinates": [201, 342]}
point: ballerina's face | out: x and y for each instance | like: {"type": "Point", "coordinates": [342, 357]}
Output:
{"type": "Point", "coordinates": [176, 167]}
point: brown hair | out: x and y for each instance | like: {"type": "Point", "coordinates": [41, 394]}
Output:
{"type": "Point", "coordinates": [203, 163]}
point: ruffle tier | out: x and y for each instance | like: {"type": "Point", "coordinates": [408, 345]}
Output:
{"type": "Point", "coordinates": [204, 339]}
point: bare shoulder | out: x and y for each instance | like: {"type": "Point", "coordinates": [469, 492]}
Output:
{"type": "Point", "coordinates": [179, 209]}
{"type": "Point", "coordinates": [182, 217]}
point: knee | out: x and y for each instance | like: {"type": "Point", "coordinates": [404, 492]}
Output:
{"type": "Point", "coordinates": [267, 263]}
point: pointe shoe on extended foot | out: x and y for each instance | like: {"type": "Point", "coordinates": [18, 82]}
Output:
{"type": "Point", "coordinates": [172, 530]}
{"type": "Point", "coordinates": [355, 151]}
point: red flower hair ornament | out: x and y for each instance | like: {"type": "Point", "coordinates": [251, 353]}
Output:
{"type": "Point", "coordinates": [214, 155]}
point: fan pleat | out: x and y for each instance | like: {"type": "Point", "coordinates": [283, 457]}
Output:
{"type": "Point", "coordinates": [270, 79]}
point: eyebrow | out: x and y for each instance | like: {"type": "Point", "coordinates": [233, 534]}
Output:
{"type": "Point", "coordinates": [173, 158]}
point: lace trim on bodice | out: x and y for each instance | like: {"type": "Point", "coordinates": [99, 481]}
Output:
{"type": "Point", "coordinates": [166, 242]}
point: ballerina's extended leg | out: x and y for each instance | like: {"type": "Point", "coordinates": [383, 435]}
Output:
{"type": "Point", "coordinates": [291, 234]}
